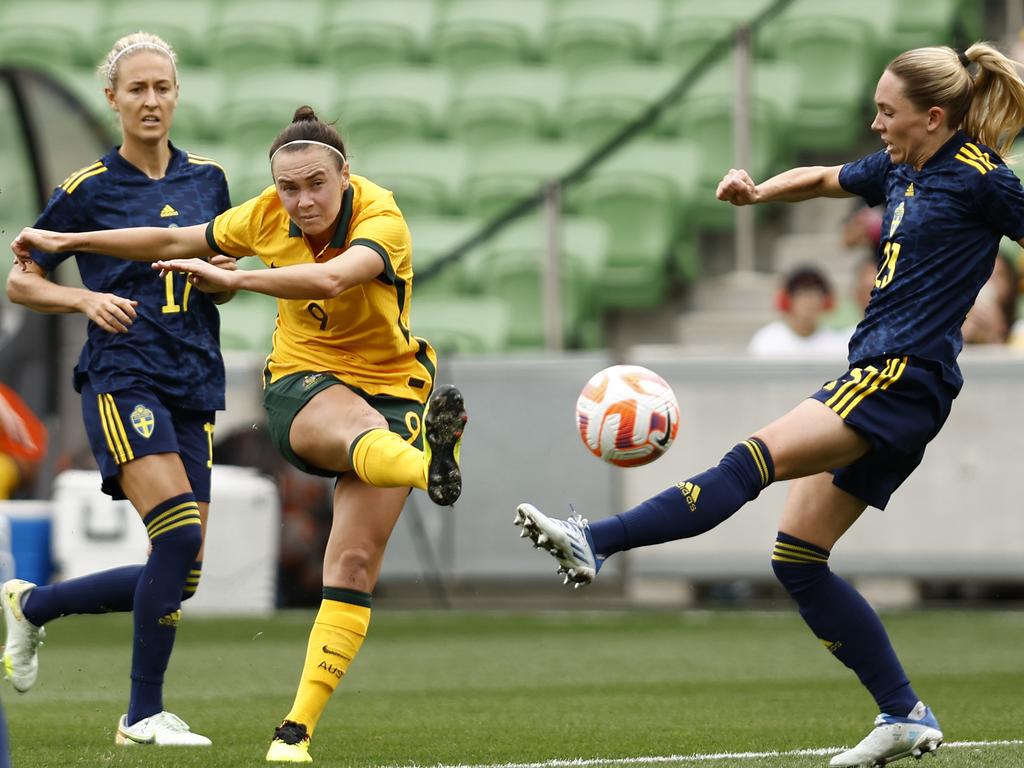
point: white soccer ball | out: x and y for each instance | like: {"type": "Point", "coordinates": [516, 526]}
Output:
{"type": "Point", "coordinates": [627, 415]}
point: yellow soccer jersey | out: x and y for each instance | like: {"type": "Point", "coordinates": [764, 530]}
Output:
{"type": "Point", "coordinates": [362, 335]}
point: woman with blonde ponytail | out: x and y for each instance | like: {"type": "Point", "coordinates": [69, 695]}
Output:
{"type": "Point", "coordinates": [151, 377]}
{"type": "Point", "coordinates": [944, 118]}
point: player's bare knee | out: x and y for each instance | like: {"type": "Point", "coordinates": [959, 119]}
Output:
{"type": "Point", "coordinates": [353, 568]}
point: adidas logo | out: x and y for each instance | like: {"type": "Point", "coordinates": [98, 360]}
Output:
{"type": "Point", "coordinates": [832, 645]}
{"type": "Point", "coordinates": [690, 493]}
{"type": "Point", "coordinates": [171, 619]}
{"type": "Point", "coordinates": [167, 211]}
{"type": "Point", "coordinates": [910, 190]}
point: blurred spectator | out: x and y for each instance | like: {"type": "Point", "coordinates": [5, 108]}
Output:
{"type": "Point", "coordinates": [306, 513]}
{"type": "Point", "coordinates": [994, 314]}
{"type": "Point", "coordinates": [805, 297]}
{"type": "Point", "coordinates": [22, 443]}
{"type": "Point", "coordinates": [863, 228]}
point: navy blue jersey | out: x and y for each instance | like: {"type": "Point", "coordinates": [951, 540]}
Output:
{"type": "Point", "coordinates": [173, 346]}
{"type": "Point", "coordinates": [940, 235]}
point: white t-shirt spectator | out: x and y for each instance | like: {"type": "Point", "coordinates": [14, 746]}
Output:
{"type": "Point", "coordinates": [777, 339]}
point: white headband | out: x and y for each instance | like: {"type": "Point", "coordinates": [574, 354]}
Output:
{"type": "Point", "coordinates": [134, 47]}
{"type": "Point", "coordinates": [308, 141]}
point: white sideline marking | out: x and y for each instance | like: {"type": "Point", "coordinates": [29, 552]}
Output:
{"type": "Point", "coordinates": [579, 762]}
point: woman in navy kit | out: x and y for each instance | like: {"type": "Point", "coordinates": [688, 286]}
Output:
{"type": "Point", "coordinates": [151, 377]}
{"type": "Point", "coordinates": [949, 200]}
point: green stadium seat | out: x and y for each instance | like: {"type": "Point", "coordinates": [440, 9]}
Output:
{"type": "Point", "coordinates": [197, 117]}
{"type": "Point", "coordinates": [467, 325]}
{"type": "Point", "coordinates": [587, 33]}
{"type": "Point", "coordinates": [484, 33]}
{"type": "Point", "coordinates": [835, 58]}
{"type": "Point", "coordinates": [426, 177]}
{"type": "Point", "coordinates": [692, 27]}
{"type": "Point", "coordinates": [247, 321]}
{"type": "Point", "coordinates": [513, 266]}
{"type": "Point", "coordinates": [510, 103]}
{"type": "Point", "coordinates": [920, 24]}
{"type": "Point", "coordinates": [265, 33]}
{"type": "Point", "coordinates": [248, 173]}
{"type": "Point", "coordinates": [504, 174]}
{"type": "Point", "coordinates": [184, 24]}
{"type": "Point", "coordinates": [89, 88]}
{"type": "Point", "coordinates": [361, 35]}
{"type": "Point", "coordinates": [708, 122]}
{"type": "Point", "coordinates": [602, 100]}
{"type": "Point", "coordinates": [49, 33]}
{"type": "Point", "coordinates": [394, 104]}
{"type": "Point", "coordinates": [259, 104]}
{"type": "Point", "coordinates": [644, 193]}
{"type": "Point", "coordinates": [432, 238]}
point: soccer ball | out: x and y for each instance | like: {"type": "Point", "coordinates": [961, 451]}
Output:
{"type": "Point", "coordinates": [627, 415]}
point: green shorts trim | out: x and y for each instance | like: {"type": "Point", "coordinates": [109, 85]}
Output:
{"type": "Point", "coordinates": [284, 398]}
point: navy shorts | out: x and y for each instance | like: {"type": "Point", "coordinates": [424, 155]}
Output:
{"type": "Point", "coordinates": [130, 423]}
{"type": "Point", "coordinates": [898, 404]}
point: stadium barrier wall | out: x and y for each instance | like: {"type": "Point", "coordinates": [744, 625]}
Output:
{"type": "Point", "coordinates": [958, 516]}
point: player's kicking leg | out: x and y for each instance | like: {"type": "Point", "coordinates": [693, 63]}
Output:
{"type": "Point", "coordinates": [568, 541]}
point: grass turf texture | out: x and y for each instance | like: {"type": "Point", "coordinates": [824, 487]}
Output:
{"type": "Point", "coordinates": [471, 689]}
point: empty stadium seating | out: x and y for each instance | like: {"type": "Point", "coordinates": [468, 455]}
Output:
{"type": "Point", "coordinates": [385, 32]}
{"type": "Point", "coordinates": [184, 24]}
{"type": "Point", "coordinates": [261, 33]}
{"type": "Point", "coordinates": [49, 32]}
{"type": "Point", "coordinates": [508, 103]}
{"type": "Point", "coordinates": [473, 34]}
{"type": "Point", "coordinates": [465, 107]}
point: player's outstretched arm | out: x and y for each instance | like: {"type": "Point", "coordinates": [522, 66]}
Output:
{"type": "Point", "coordinates": [133, 244]}
{"type": "Point", "coordinates": [31, 288]}
{"type": "Point", "coordinates": [358, 264]}
{"type": "Point", "coordinates": [794, 185]}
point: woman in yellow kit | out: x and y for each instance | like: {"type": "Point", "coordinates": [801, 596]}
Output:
{"type": "Point", "coordinates": [340, 254]}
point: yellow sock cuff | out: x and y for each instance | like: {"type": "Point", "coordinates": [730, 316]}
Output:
{"type": "Point", "coordinates": [384, 459]}
{"type": "Point", "coordinates": [344, 616]}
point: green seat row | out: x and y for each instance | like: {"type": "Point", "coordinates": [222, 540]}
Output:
{"type": "Point", "coordinates": [461, 34]}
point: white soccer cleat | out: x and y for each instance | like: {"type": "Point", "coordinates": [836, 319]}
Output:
{"type": "Point", "coordinates": [893, 739]}
{"type": "Point", "coordinates": [568, 541]}
{"type": "Point", "coordinates": [164, 729]}
{"type": "Point", "coordinates": [21, 651]}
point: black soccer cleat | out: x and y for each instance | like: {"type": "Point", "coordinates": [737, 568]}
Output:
{"type": "Point", "coordinates": [443, 424]}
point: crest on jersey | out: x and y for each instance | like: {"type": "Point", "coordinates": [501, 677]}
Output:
{"type": "Point", "coordinates": [897, 217]}
{"type": "Point", "coordinates": [142, 420]}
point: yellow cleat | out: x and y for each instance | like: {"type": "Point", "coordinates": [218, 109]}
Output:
{"type": "Point", "coordinates": [290, 744]}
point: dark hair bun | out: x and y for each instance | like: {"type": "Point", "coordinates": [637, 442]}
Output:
{"type": "Point", "coordinates": [304, 112]}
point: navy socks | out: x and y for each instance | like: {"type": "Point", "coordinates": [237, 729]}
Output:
{"type": "Point", "coordinates": [175, 530]}
{"type": "Point", "coordinates": [110, 591]}
{"type": "Point", "coordinates": [692, 507]}
{"type": "Point", "coordinates": [842, 619]}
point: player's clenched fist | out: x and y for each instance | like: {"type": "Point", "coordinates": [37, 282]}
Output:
{"type": "Point", "coordinates": [737, 187]}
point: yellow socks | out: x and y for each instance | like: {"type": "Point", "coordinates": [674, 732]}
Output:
{"type": "Point", "coordinates": [337, 635]}
{"type": "Point", "coordinates": [383, 459]}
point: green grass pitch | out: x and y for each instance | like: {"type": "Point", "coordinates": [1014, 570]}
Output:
{"type": "Point", "coordinates": [488, 689]}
